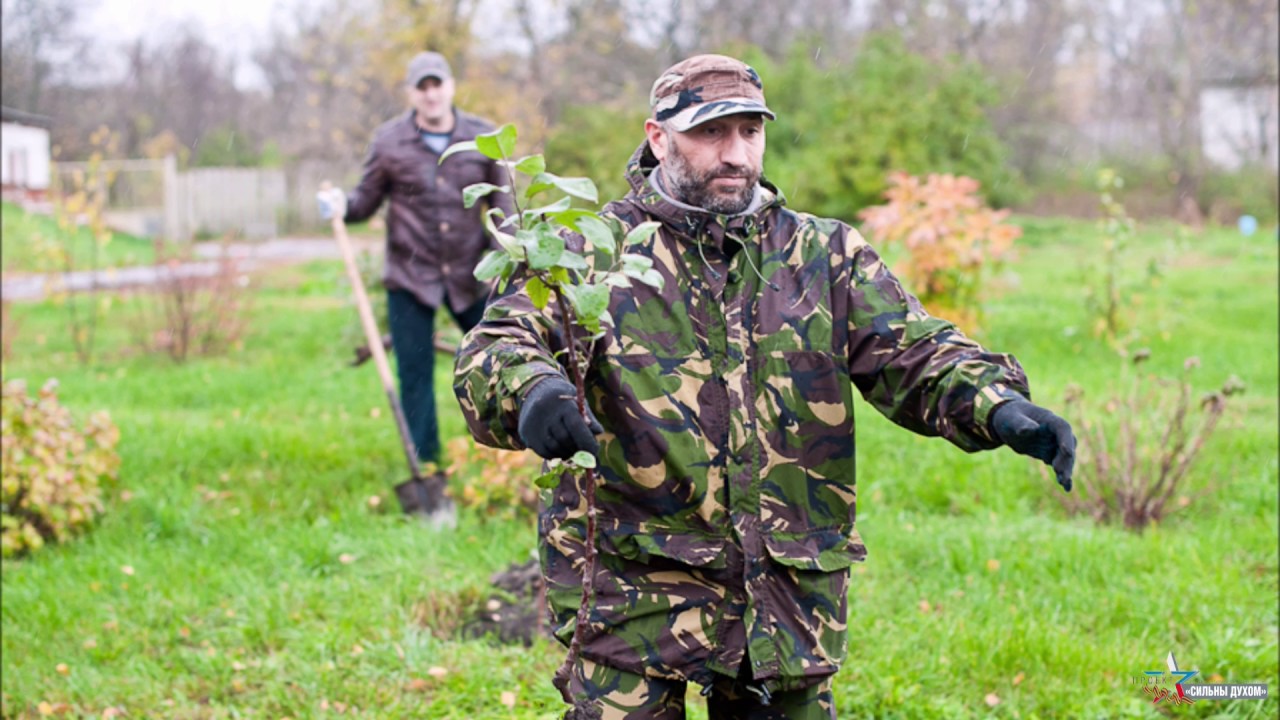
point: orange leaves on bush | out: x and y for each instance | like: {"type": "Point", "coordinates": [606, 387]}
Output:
{"type": "Point", "coordinates": [52, 471]}
{"type": "Point", "coordinates": [950, 235]}
{"type": "Point", "coordinates": [498, 482]}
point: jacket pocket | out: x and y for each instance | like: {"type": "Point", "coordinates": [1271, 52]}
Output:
{"type": "Point", "coordinates": [643, 544]}
{"type": "Point", "coordinates": [827, 549]}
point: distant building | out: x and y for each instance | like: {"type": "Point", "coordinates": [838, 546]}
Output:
{"type": "Point", "coordinates": [24, 154]}
{"type": "Point", "coordinates": [1238, 123]}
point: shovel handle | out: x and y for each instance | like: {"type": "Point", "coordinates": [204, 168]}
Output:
{"type": "Point", "coordinates": [374, 338]}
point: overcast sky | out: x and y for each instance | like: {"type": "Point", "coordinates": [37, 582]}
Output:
{"type": "Point", "coordinates": [235, 26]}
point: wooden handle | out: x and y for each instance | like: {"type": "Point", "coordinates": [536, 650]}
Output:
{"type": "Point", "coordinates": [374, 338]}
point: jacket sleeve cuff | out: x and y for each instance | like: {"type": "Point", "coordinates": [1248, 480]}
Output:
{"type": "Point", "coordinates": [985, 404]}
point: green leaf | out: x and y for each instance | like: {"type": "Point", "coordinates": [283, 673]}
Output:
{"type": "Point", "coordinates": [590, 302]}
{"type": "Point", "coordinates": [617, 280]}
{"type": "Point", "coordinates": [507, 139]}
{"type": "Point", "coordinates": [652, 278]}
{"type": "Point", "coordinates": [548, 249]}
{"type": "Point", "coordinates": [559, 274]}
{"type": "Point", "coordinates": [506, 240]}
{"type": "Point", "coordinates": [576, 186]}
{"type": "Point", "coordinates": [499, 144]}
{"type": "Point", "coordinates": [531, 165]}
{"type": "Point", "coordinates": [572, 261]}
{"type": "Point", "coordinates": [635, 265]}
{"type": "Point", "coordinates": [597, 233]}
{"type": "Point", "coordinates": [472, 193]}
{"type": "Point", "coordinates": [548, 480]}
{"type": "Point", "coordinates": [584, 459]}
{"type": "Point", "coordinates": [538, 292]}
{"type": "Point", "coordinates": [642, 232]}
{"type": "Point", "coordinates": [571, 217]}
{"type": "Point", "coordinates": [464, 146]}
{"type": "Point", "coordinates": [493, 265]}
{"type": "Point", "coordinates": [535, 214]}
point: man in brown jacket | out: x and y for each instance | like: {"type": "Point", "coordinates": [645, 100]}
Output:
{"type": "Point", "coordinates": [433, 242]}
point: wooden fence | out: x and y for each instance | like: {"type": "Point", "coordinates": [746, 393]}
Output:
{"type": "Point", "coordinates": [154, 198]}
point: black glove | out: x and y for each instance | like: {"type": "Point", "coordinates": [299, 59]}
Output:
{"type": "Point", "coordinates": [1031, 430]}
{"type": "Point", "coordinates": [551, 425]}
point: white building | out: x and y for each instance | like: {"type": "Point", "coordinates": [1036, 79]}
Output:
{"type": "Point", "coordinates": [24, 153]}
{"type": "Point", "coordinates": [1238, 123]}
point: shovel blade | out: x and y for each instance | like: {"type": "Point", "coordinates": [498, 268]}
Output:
{"type": "Point", "coordinates": [425, 499]}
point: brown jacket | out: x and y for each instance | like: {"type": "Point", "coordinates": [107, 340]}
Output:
{"type": "Point", "coordinates": [433, 243]}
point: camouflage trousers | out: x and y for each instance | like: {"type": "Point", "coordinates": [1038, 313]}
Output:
{"type": "Point", "coordinates": [622, 695]}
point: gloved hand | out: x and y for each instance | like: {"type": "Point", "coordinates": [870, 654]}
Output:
{"type": "Point", "coordinates": [551, 425]}
{"type": "Point", "coordinates": [332, 202]}
{"type": "Point", "coordinates": [1031, 430]}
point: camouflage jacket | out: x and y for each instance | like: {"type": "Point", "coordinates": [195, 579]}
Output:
{"type": "Point", "coordinates": [726, 495]}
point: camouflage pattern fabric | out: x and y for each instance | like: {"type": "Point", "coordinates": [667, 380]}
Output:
{"type": "Point", "coordinates": [726, 483]}
{"type": "Point", "coordinates": [621, 695]}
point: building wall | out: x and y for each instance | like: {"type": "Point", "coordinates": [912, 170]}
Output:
{"type": "Point", "coordinates": [1239, 125]}
{"type": "Point", "coordinates": [24, 156]}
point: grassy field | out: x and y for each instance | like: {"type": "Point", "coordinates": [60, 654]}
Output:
{"type": "Point", "coordinates": [240, 572]}
{"type": "Point", "coordinates": [26, 235]}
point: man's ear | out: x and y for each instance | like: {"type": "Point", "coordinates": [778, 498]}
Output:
{"type": "Point", "coordinates": [657, 139]}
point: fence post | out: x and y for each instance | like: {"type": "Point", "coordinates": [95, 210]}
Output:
{"type": "Point", "coordinates": [173, 230]}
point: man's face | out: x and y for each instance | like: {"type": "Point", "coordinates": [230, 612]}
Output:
{"type": "Point", "coordinates": [715, 165]}
{"type": "Point", "coordinates": [432, 98]}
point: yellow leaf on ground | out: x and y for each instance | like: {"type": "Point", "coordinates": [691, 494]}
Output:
{"type": "Point", "coordinates": [925, 606]}
{"type": "Point", "coordinates": [346, 558]}
{"type": "Point", "coordinates": [63, 669]}
{"type": "Point", "coordinates": [508, 698]}
{"type": "Point", "coordinates": [126, 569]}
{"type": "Point", "coordinates": [993, 564]}
{"type": "Point", "coordinates": [992, 699]}
{"type": "Point", "coordinates": [437, 672]}
{"type": "Point", "coordinates": [357, 650]}
{"type": "Point", "coordinates": [1017, 679]}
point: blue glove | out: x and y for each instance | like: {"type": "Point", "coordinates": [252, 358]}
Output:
{"type": "Point", "coordinates": [332, 203]}
{"type": "Point", "coordinates": [1031, 430]}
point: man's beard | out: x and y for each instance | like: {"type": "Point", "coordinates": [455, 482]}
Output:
{"type": "Point", "coordinates": [694, 188]}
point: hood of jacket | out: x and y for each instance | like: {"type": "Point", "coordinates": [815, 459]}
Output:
{"type": "Point", "coordinates": [693, 223]}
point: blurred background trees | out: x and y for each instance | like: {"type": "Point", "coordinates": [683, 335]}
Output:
{"type": "Point", "coordinates": [1028, 98]}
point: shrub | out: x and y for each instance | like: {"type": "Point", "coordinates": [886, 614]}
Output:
{"type": "Point", "coordinates": [951, 238]}
{"type": "Point", "coordinates": [499, 483]}
{"type": "Point", "coordinates": [193, 310]}
{"type": "Point", "coordinates": [1137, 453]}
{"type": "Point", "coordinates": [841, 130]}
{"type": "Point", "coordinates": [53, 473]}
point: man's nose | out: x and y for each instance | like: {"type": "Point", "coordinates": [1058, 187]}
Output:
{"type": "Point", "coordinates": [735, 151]}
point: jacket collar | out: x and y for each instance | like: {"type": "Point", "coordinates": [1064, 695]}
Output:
{"type": "Point", "coordinates": [692, 223]}
{"type": "Point", "coordinates": [464, 127]}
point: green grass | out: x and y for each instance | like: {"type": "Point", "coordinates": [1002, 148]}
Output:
{"type": "Point", "coordinates": [239, 604]}
{"type": "Point", "coordinates": [26, 235]}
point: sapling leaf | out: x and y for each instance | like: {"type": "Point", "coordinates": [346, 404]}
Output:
{"type": "Point", "coordinates": [531, 165]}
{"type": "Point", "coordinates": [597, 233]}
{"type": "Point", "coordinates": [584, 459]}
{"type": "Point", "coordinates": [472, 193]}
{"type": "Point", "coordinates": [464, 146]}
{"type": "Point", "coordinates": [538, 292]}
{"type": "Point", "coordinates": [642, 232]}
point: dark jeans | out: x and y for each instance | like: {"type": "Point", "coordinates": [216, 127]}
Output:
{"type": "Point", "coordinates": [412, 340]}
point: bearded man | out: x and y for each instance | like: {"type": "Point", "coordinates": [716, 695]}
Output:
{"type": "Point", "coordinates": [722, 416]}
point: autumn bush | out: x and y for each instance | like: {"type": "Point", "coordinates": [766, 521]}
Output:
{"type": "Point", "coordinates": [499, 482]}
{"type": "Point", "coordinates": [952, 239]}
{"type": "Point", "coordinates": [1137, 448]}
{"type": "Point", "coordinates": [53, 471]}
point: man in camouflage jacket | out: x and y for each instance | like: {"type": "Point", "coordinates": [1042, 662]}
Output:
{"type": "Point", "coordinates": [723, 420]}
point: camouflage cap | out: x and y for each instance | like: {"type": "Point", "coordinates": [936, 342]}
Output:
{"type": "Point", "coordinates": [705, 87]}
